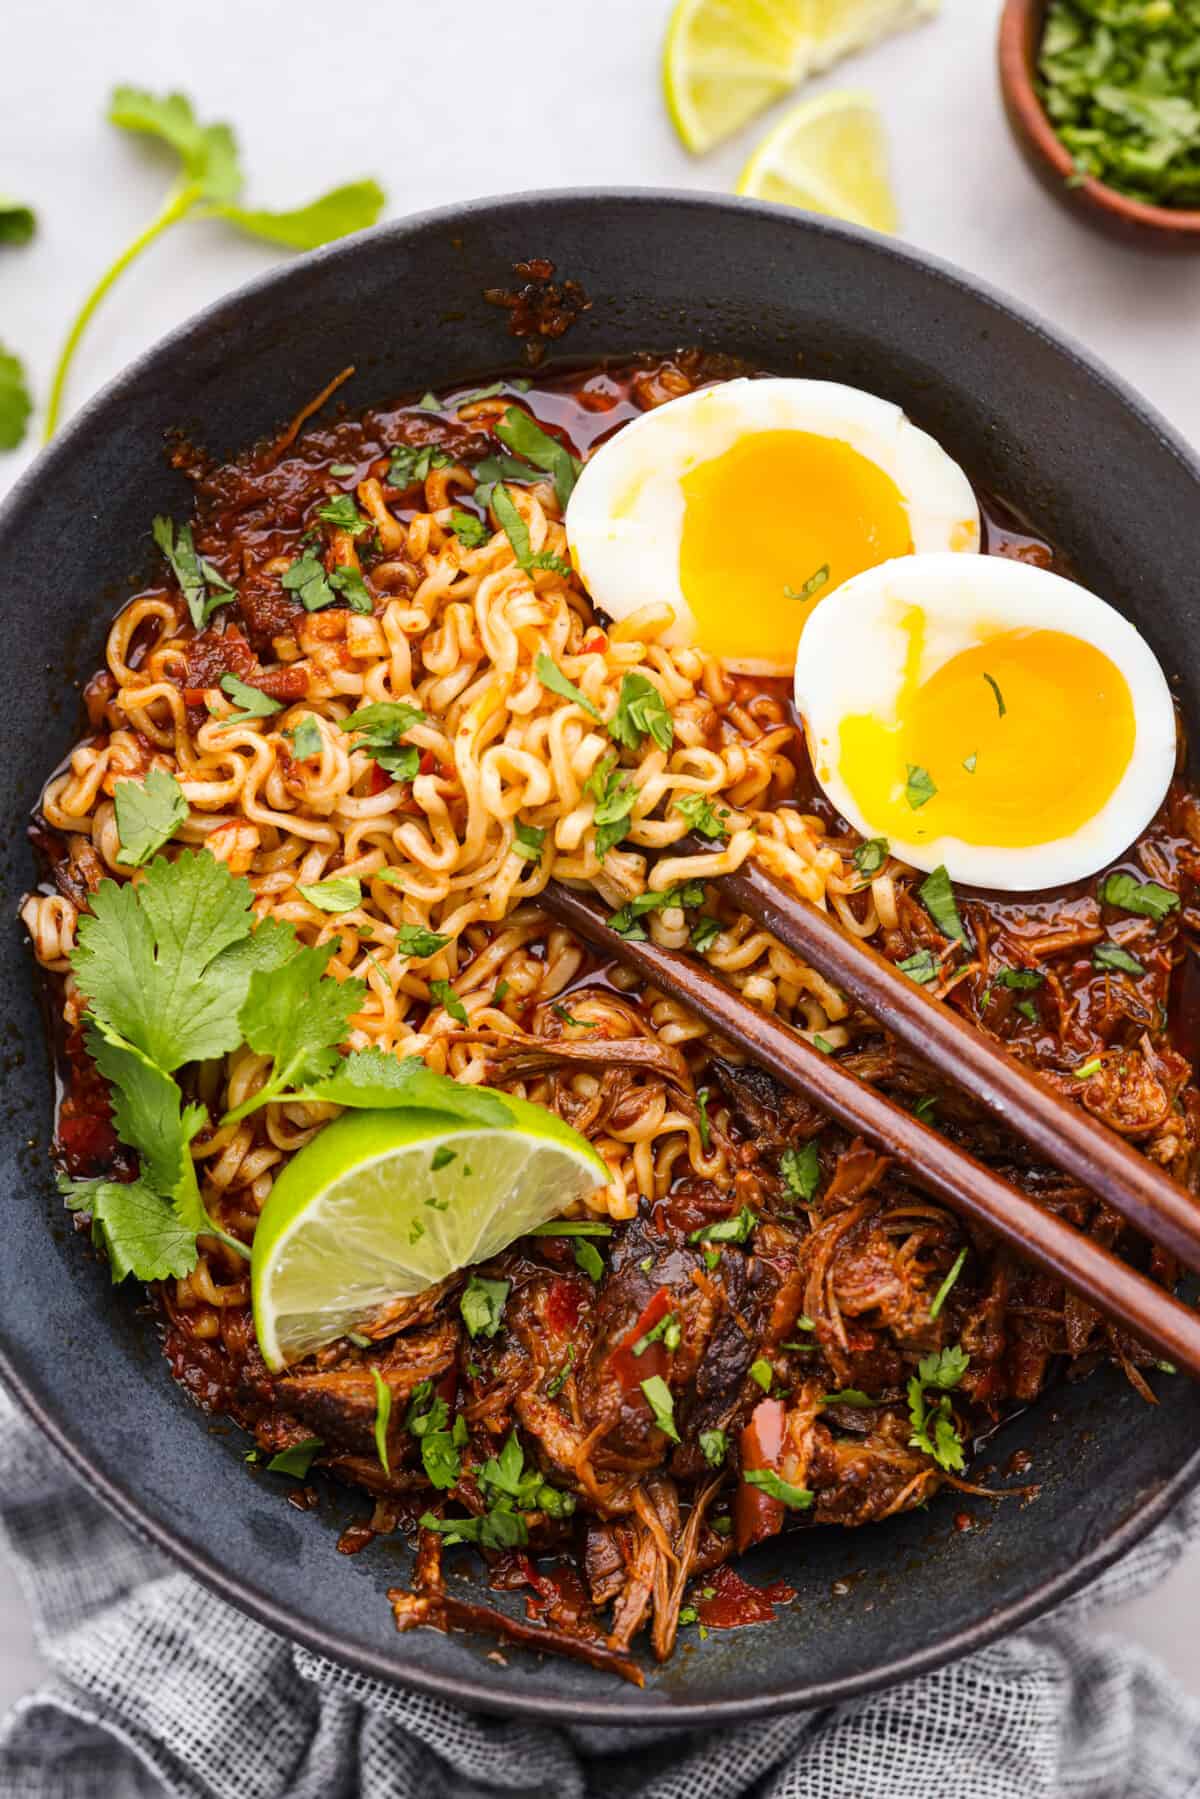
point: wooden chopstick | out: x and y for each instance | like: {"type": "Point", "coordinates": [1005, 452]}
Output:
{"type": "Point", "coordinates": [937, 1165]}
{"type": "Point", "coordinates": [1063, 1133]}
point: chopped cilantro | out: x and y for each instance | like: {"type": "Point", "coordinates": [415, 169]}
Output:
{"type": "Point", "coordinates": [943, 1292]}
{"type": "Point", "coordinates": [1145, 898]}
{"type": "Point", "coordinates": [641, 712]}
{"type": "Point", "coordinates": [587, 1257]}
{"type": "Point", "coordinates": [937, 897]}
{"type": "Point", "coordinates": [305, 738]}
{"type": "Point", "coordinates": [1111, 955]}
{"type": "Point", "coordinates": [383, 1417]}
{"type": "Point", "coordinates": [148, 814]}
{"type": "Point", "coordinates": [523, 435]}
{"type": "Point", "coordinates": [552, 678]}
{"type": "Point", "coordinates": [814, 584]}
{"type": "Point", "coordinates": [341, 893]}
{"type": "Point", "coordinates": [797, 1499]}
{"type": "Point", "coordinates": [624, 922]}
{"type": "Point", "coordinates": [702, 1109]}
{"type": "Point", "coordinates": [921, 967]}
{"type": "Point", "coordinates": [253, 701]}
{"type": "Point", "coordinates": [726, 1230]}
{"type": "Point", "coordinates": [666, 1331]}
{"type": "Point", "coordinates": [918, 788]}
{"type": "Point", "coordinates": [343, 515]}
{"type": "Point", "coordinates": [705, 932]}
{"type": "Point", "coordinates": [444, 995]}
{"type": "Point", "coordinates": [869, 857]}
{"type": "Point", "coordinates": [714, 1447]}
{"type": "Point", "coordinates": [991, 681]}
{"type": "Point", "coordinates": [615, 794]}
{"type": "Point", "coordinates": [482, 1305]}
{"type": "Point", "coordinates": [801, 1170]}
{"type": "Point", "coordinates": [658, 1398]}
{"type": "Point", "coordinates": [416, 940]}
{"type": "Point", "coordinates": [469, 530]}
{"type": "Point", "coordinates": [762, 1373]}
{"type": "Point", "coordinates": [203, 588]}
{"type": "Point", "coordinates": [297, 1459]}
{"type": "Point", "coordinates": [411, 463]}
{"type": "Point", "coordinates": [701, 815]}
{"type": "Point", "coordinates": [933, 1428]}
{"type": "Point", "coordinates": [530, 840]}
{"type": "Point", "coordinates": [306, 578]}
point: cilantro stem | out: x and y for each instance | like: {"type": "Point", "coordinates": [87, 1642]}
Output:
{"type": "Point", "coordinates": [178, 204]}
{"type": "Point", "coordinates": [212, 1229]}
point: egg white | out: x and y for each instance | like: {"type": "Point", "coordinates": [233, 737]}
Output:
{"type": "Point", "coordinates": [625, 518]}
{"type": "Point", "coordinates": [851, 662]}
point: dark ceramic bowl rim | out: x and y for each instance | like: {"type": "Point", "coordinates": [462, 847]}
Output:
{"type": "Point", "coordinates": [626, 1706]}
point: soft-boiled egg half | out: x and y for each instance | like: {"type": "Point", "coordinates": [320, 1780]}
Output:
{"type": "Point", "coordinates": [744, 506]}
{"type": "Point", "coordinates": [988, 715]}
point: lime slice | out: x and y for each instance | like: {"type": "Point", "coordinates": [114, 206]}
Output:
{"type": "Point", "coordinates": [828, 155]}
{"type": "Point", "coordinates": [381, 1205]}
{"type": "Point", "coordinates": [726, 60]}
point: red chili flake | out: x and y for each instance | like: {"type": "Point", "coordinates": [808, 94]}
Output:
{"type": "Point", "coordinates": [594, 645]}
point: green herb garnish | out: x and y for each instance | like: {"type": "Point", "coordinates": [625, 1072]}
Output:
{"type": "Point", "coordinates": [814, 584]}
{"type": "Point", "coordinates": [701, 815]}
{"type": "Point", "coordinates": [1112, 956]}
{"type": "Point", "coordinates": [624, 921]}
{"type": "Point", "coordinates": [933, 1428]}
{"type": "Point", "coordinates": [341, 893]}
{"type": "Point", "coordinates": [801, 1170]}
{"type": "Point", "coordinates": [202, 586]}
{"type": "Point", "coordinates": [641, 712]}
{"type": "Point", "coordinates": [658, 1398]}
{"type": "Point", "coordinates": [714, 1447]}
{"type": "Point", "coordinates": [522, 434]}
{"type": "Point", "coordinates": [305, 738]}
{"type": "Point", "coordinates": [726, 1230]}
{"type": "Point", "coordinates": [552, 678]}
{"type": "Point", "coordinates": [918, 788]}
{"type": "Point", "coordinates": [469, 530]}
{"type": "Point", "coordinates": [992, 683]}
{"type": "Point", "coordinates": [148, 813]}
{"type": "Point", "coordinates": [869, 857]}
{"type": "Point", "coordinates": [797, 1499]}
{"type": "Point", "coordinates": [208, 185]}
{"type": "Point", "coordinates": [383, 1417]}
{"type": "Point", "coordinates": [417, 940]}
{"type": "Point", "coordinates": [937, 897]}
{"type": "Point", "coordinates": [482, 1305]}
{"type": "Point", "coordinates": [922, 967]}
{"type": "Point", "coordinates": [1144, 898]}
{"type": "Point", "coordinates": [296, 1460]}
{"type": "Point", "coordinates": [444, 995]}
{"type": "Point", "coordinates": [253, 701]}
{"type": "Point", "coordinates": [943, 1292]}
{"type": "Point", "coordinates": [615, 794]}
{"type": "Point", "coordinates": [529, 840]}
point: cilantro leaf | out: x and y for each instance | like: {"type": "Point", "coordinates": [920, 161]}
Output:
{"type": "Point", "coordinates": [306, 578]}
{"type": "Point", "coordinates": [141, 1233]}
{"type": "Point", "coordinates": [797, 1499]}
{"type": "Point", "coordinates": [342, 513]}
{"type": "Point", "coordinates": [943, 1292]}
{"type": "Point", "coordinates": [372, 1078]}
{"type": "Point", "coordinates": [148, 958]}
{"type": "Point", "coordinates": [208, 152]}
{"type": "Point", "coordinates": [714, 1447]}
{"type": "Point", "coordinates": [1018, 978]}
{"type": "Point", "coordinates": [416, 940]}
{"type": "Point", "coordinates": [335, 214]}
{"type": "Point", "coordinates": [641, 712]}
{"type": "Point", "coordinates": [922, 967]}
{"type": "Point", "coordinates": [705, 932]}
{"type": "Point", "coordinates": [17, 222]}
{"type": "Point", "coordinates": [726, 1230]}
{"type": "Point", "coordinates": [383, 1417]}
{"type": "Point", "coordinates": [411, 463]}
{"type": "Point", "coordinates": [340, 893]}
{"type": "Point", "coordinates": [918, 788]}
{"type": "Point", "coordinates": [937, 897]}
{"type": "Point", "coordinates": [814, 584]}
{"type": "Point", "coordinates": [933, 1427]}
{"type": "Point", "coordinates": [147, 1110]}
{"type": "Point", "coordinates": [202, 586]}
{"type": "Point", "coordinates": [552, 678]}
{"type": "Point", "coordinates": [587, 1257]}
{"type": "Point", "coordinates": [615, 794]}
{"type": "Point", "coordinates": [801, 1170]}
{"type": "Point", "coordinates": [305, 738]}
{"type": "Point", "coordinates": [148, 813]}
{"type": "Point", "coordinates": [444, 995]}
{"type": "Point", "coordinates": [15, 403]}
{"type": "Point", "coordinates": [686, 894]}
{"type": "Point", "coordinates": [482, 1305]}
{"type": "Point", "coordinates": [701, 815]}
{"type": "Point", "coordinates": [469, 530]}
{"type": "Point", "coordinates": [869, 857]}
{"type": "Point", "coordinates": [253, 701]}
{"type": "Point", "coordinates": [297, 1459]}
{"type": "Point", "coordinates": [517, 532]}
{"type": "Point", "coordinates": [1144, 898]}
{"type": "Point", "coordinates": [380, 727]}
{"type": "Point", "coordinates": [530, 840]}
{"type": "Point", "coordinates": [993, 684]}
{"type": "Point", "coordinates": [943, 1367]}
{"type": "Point", "coordinates": [522, 434]}
{"type": "Point", "coordinates": [1111, 955]}
{"type": "Point", "coordinates": [297, 1017]}
{"type": "Point", "coordinates": [658, 1398]}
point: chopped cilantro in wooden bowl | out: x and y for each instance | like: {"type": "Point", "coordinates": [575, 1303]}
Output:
{"type": "Point", "coordinates": [1104, 99]}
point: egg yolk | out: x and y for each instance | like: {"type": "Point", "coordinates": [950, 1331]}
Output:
{"type": "Point", "coordinates": [761, 523]}
{"type": "Point", "coordinates": [1021, 739]}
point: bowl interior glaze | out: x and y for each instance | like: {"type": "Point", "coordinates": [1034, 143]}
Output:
{"type": "Point", "coordinates": [1031, 418]}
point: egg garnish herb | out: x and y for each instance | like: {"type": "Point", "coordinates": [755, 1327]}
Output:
{"type": "Point", "coordinates": [743, 507]}
{"type": "Point", "coordinates": [987, 716]}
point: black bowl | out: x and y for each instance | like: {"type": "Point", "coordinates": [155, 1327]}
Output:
{"type": "Point", "coordinates": [1031, 418]}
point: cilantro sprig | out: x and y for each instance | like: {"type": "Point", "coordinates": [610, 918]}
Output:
{"type": "Point", "coordinates": [933, 1429]}
{"type": "Point", "coordinates": [174, 971]}
{"type": "Point", "coordinates": [208, 185]}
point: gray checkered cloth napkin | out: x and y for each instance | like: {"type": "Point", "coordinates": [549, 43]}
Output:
{"type": "Point", "coordinates": [159, 1688]}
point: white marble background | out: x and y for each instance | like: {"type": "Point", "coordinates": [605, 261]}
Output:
{"type": "Point", "coordinates": [449, 102]}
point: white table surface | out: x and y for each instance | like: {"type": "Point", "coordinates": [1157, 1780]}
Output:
{"type": "Point", "coordinates": [446, 103]}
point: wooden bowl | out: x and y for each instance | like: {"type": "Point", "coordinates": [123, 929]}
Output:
{"type": "Point", "coordinates": [1151, 227]}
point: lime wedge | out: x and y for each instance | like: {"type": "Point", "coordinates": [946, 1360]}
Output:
{"type": "Point", "coordinates": [726, 60]}
{"type": "Point", "coordinates": [828, 155]}
{"type": "Point", "coordinates": [381, 1205]}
